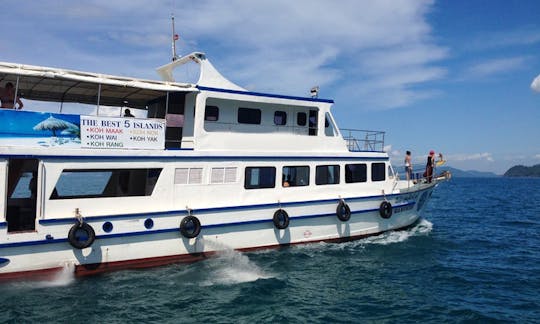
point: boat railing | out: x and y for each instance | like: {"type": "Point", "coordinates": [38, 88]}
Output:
{"type": "Point", "coordinates": [420, 176]}
{"type": "Point", "coordinates": [363, 140]}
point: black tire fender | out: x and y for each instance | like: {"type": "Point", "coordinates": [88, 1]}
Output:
{"type": "Point", "coordinates": [343, 211]}
{"type": "Point", "coordinates": [81, 235]}
{"type": "Point", "coordinates": [385, 210]}
{"type": "Point", "coordinates": [190, 226]}
{"type": "Point", "coordinates": [281, 219]}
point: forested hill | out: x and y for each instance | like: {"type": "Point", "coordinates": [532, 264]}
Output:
{"type": "Point", "coordinates": [523, 171]}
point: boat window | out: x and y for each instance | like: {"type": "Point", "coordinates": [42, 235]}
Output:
{"type": "Point", "coordinates": [378, 171]}
{"type": "Point", "coordinates": [280, 118]}
{"type": "Point", "coordinates": [355, 173]}
{"type": "Point", "coordinates": [294, 176]}
{"type": "Point", "coordinates": [249, 116]}
{"type": "Point", "coordinates": [327, 174]}
{"type": "Point", "coordinates": [301, 119]}
{"type": "Point", "coordinates": [23, 187]}
{"type": "Point", "coordinates": [391, 173]}
{"type": "Point", "coordinates": [188, 176]}
{"type": "Point", "coordinates": [313, 117]}
{"type": "Point", "coordinates": [260, 177]}
{"type": "Point", "coordinates": [223, 175]}
{"type": "Point", "coordinates": [211, 113]}
{"type": "Point", "coordinates": [329, 127]}
{"type": "Point", "coordinates": [105, 183]}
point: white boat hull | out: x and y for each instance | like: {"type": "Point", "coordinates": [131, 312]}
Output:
{"type": "Point", "coordinates": [247, 228]}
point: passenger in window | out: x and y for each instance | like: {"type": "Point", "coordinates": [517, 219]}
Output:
{"type": "Point", "coordinates": [7, 97]}
{"type": "Point", "coordinates": [286, 182]}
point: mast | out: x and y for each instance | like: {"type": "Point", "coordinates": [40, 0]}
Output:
{"type": "Point", "coordinates": [174, 39]}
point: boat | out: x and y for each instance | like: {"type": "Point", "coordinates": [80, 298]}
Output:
{"type": "Point", "coordinates": [209, 166]}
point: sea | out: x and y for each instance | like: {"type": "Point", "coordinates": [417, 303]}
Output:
{"type": "Point", "coordinates": [474, 257]}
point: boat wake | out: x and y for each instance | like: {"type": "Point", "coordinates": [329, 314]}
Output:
{"type": "Point", "coordinates": [63, 278]}
{"type": "Point", "coordinates": [231, 267]}
{"type": "Point", "coordinates": [423, 227]}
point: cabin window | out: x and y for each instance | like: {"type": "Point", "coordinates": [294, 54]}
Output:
{"type": "Point", "coordinates": [329, 127]}
{"type": "Point", "coordinates": [105, 183]}
{"type": "Point", "coordinates": [249, 116]}
{"type": "Point", "coordinates": [211, 113]}
{"type": "Point", "coordinates": [223, 175]}
{"type": "Point", "coordinates": [378, 171]}
{"type": "Point", "coordinates": [355, 173]}
{"type": "Point", "coordinates": [294, 176]}
{"type": "Point", "coordinates": [280, 118]}
{"type": "Point", "coordinates": [301, 119]}
{"type": "Point", "coordinates": [188, 176]}
{"type": "Point", "coordinates": [327, 174]}
{"type": "Point", "coordinates": [260, 177]}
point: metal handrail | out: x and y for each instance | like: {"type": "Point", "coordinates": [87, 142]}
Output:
{"type": "Point", "coordinates": [359, 140]}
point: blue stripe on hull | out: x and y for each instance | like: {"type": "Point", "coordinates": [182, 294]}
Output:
{"type": "Point", "coordinates": [160, 231]}
{"type": "Point", "coordinates": [212, 210]}
{"type": "Point", "coordinates": [191, 158]}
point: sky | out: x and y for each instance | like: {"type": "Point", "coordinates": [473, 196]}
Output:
{"type": "Point", "coordinates": [452, 76]}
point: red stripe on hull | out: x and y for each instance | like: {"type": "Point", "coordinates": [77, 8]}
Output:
{"type": "Point", "coordinates": [97, 268]}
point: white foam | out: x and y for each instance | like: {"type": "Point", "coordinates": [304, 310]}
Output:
{"type": "Point", "coordinates": [231, 267]}
{"type": "Point", "coordinates": [63, 278]}
{"type": "Point", "coordinates": [422, 228]}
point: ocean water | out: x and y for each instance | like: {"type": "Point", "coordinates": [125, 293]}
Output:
{"type": "Point", "coordinates": [474, 257]}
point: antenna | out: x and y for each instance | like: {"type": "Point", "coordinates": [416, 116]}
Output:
{"type": "Point", "coordinates": [174, 39]}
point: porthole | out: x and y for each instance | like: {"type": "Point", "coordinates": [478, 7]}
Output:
{"type": "Point", "coordinates": [107, 227]}
{"type": "Point", "coordinates": [148, 223]}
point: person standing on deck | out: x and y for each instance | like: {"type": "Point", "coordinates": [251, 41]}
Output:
{"type": "Point", "coordinates": [429, 166]}
{"type": "Point", "coordinates": [408, 165]}
{"type": "Point", "coordinates": [7, 97]}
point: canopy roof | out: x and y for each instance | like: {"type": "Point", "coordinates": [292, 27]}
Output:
{"type": "Point", "coordinates": [59, 85]}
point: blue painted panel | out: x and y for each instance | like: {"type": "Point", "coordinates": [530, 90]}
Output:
{"type": "Point", "coordinates": [39, 128]}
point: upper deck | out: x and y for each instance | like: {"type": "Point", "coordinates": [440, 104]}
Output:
{"type": "Point", "coordinates": [213, 115]}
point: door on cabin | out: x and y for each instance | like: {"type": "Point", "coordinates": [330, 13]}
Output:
{"type": "Point", "coordinates": [21, 195]}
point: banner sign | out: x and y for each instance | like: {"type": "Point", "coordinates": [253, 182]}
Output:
{"type": "Point", "coordinates": [126, 133]}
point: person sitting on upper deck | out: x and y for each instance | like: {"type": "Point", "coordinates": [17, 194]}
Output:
{"type": "Point", "coordinates": [127, 113]}
{"type": "Point", "coordinates": [7, 97]}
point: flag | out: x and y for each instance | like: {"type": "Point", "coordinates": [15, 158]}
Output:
{"type": "Point", "coordinates": [176, 37]}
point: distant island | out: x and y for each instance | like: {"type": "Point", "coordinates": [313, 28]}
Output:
{"type": "Point", "coordinates": [523, 171]}
{"type": "Point", "coordinates": [457, 173]}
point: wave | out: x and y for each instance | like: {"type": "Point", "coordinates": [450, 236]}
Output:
{"type": "Point", "coordinates": [231, 267]}
{"type": "Point", "coordinates": [423, 227]}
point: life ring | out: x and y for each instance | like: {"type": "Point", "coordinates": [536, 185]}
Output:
{"type": "Point", "coordinates": [385, 210]}
{"type": "Point", "coordinates": [190, 226]}
{"type": "Point", "coordinates": [81, 235]}
{"type": "Point", "coordinates": [281, 219]}
{"type": "Point", "coordinates": [343, 212]}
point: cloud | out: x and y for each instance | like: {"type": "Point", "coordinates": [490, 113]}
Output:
{"type": "Point", "coordinates": [509, 38]}
{"type": "Point", "coordinates": [471, 157]}
{"type": "Point", "coordinates": [392, 153]}
{"type": "Point", "coordinates": [535, 85]}
{"type": "Point", "coordinates": [385, 48]}
{"type": "Point", "coordinates": [537, 157]}
{"type": "Point", "coordinates": [496, 66]}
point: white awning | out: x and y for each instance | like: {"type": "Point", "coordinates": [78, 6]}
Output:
{"type": "Point", "coordinates": [59, 85]}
